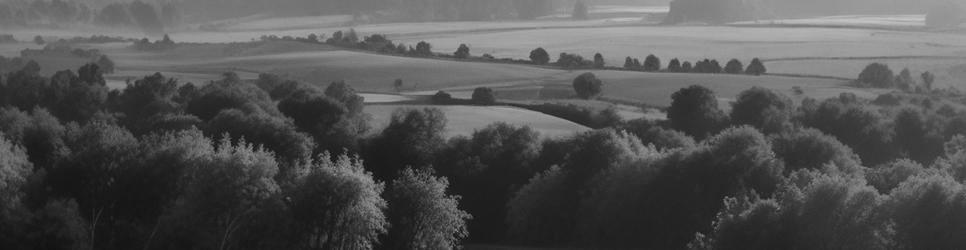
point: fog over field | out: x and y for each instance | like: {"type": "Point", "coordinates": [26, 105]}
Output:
{"type": "Point", "coordinates": [471, 124]}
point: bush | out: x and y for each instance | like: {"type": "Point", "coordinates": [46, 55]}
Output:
{"type": "Point", "coordinates": [539, 56]}
{"type": "Point", "coordinates": [877, 75]}
{"type": "Point", "coordinates": [587, 86]}
{"type": "Point", "coordinates": [484, 96]}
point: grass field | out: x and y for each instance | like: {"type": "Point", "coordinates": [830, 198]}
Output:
{"type": "Point", "coordinates": [464, 120]}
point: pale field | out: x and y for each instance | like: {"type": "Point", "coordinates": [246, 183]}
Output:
{"type": "Point", "coordinates": [937, 51]}
{"type": "Point", "coordinates": [872, 21]}
{"type": "Point", "coordinates": [464, 120]}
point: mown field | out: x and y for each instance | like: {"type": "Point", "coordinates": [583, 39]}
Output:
{"type": "Point", "coordinates": [832, 52]}
{"type": "Point", "coordinates": [464, 120]}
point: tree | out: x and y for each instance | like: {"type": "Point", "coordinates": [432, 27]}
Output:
{"type": "Point", "coordinates": [105, 64]}
{"type": "Point", "coordinates": [734, 67]}
{"type": "Point", "coordinates": [16, 168]}
{"type": "Point", "coordinates": [763, 109]}
{"type": "Point", "coordinates": [825, 212]}
{"type": "Point", "coordinates": [694, 111]}
{"type": "Point", "coordinates": [38, 40]}
{"type": "Point", "coordinates": [275, 134]}
{"type": "Point", "coordinates": [923, 205]}
{"type": "Point", "coordinates": [587, 86]}
{"type": "Point", "coordinates": [397, 84]}
{"type": "Point", "coordinates": [904, 80]}
{"type": "Point", "coordinates": [539, 56]}
{"type": "Point", "coordinates": [484, 96]}
{"type": "Point", "coordinates": [412, 138]}
{"type": "Point", "coordinates": [686, 67]}
{"type": "Point", "coordinates": [927, 80]}
{"type": "Point", "coordinates": [462, 52]}
{"type": "Point", "coordinates": [485, 169]}
{"type": "Point", "coordinates": [422, 215]}
{"type": "Point", "coordinates": [338, 205]}
{"type": "Point", "coordinates": [756, 67]}
{"type": "Point", "coordinates": [224, 192]}
{"type": "Point", "coordinates": [580, 11]}
{"type": "Point", "coordinates": [910, 135]}
{"type": "Point", "coordinates": [423, 48]}
{"type": "Point", "coordinates": [598, 61]}
{"type": "Point", "coordinates": [674, 66]}
{"type": "Point", "coordinates": [812, 149]}
{"type": "Point", "coordinates": [652, 63]}
{"type": "Point", "coordinates": [877, 75]}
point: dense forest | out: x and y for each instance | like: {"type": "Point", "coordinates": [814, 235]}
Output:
{"type": "Point", "coordinates": [280, 164]}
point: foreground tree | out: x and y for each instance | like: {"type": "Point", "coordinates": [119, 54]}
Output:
{"type": "Point", "coordinates": [412, 138]}
{"type": "Point", "coordinates": [338, 205]}
{"type": "Point", "coordinates": [762, 108]}
{"type": "Point", "coordinates": [422, 215]}
{"type": "Point", "coordinates": [694, 111]}
{"type": "Point", "coordinates": [223, 194]}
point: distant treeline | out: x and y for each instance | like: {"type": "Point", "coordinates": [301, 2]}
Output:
{"type": "Point", "coordinates": [151, 18]}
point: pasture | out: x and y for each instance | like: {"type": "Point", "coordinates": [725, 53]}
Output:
{"type": "Point", "coordinates": [464, 120]}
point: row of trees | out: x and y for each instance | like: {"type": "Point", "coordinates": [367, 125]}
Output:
{"type": "Point", "coordinates": [879, 75]}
